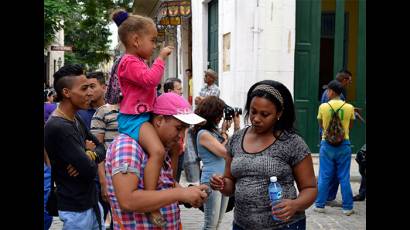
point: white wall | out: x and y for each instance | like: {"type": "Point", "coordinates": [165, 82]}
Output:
{"type": "Point", "coordinates": [183, 58]}
{"type": "Point", "coordinates": [262, 44]}
{"type": "Point", "coordinates": [55, 55]}
{"type": "Point", "coordinates": [199, 10]}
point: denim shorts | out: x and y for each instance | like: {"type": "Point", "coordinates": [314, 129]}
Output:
{"type": "Point", "coordinates": [81, 220]}
{"type": "Point", "coordinates": [130, 124]}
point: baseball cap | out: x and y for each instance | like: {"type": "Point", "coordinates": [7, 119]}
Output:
{"type": "Point", "coordinates": [175, 105]}
{"type": "Point", "coordinates": [211, 72]}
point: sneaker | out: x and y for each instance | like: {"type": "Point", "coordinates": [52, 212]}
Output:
{"type": "Point", "coordinates": [333, 203]}
{"type": "Point", "coordinates": [348, 212]}
{"type": "Point", "coordinates": [319, 210]}
{"type": "Point", "coordinates": [359, 198]}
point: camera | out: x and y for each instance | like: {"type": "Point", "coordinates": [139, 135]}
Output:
{"type": "Point", "coordinates": [230, 112]}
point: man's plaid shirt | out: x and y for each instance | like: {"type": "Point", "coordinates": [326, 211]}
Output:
{"type": "Point", "coordinates": [125, 154]}
{"type": "Point", "coordinates": [212, 90]}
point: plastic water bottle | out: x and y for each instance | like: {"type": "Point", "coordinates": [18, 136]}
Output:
{"type": "Point", "coordinates": [275, 193]}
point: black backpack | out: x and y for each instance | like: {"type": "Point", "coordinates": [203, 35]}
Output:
{"type": "Point", "coordinates": [113, 95]}
{"type": "Point", "coordinates": [335, 132]}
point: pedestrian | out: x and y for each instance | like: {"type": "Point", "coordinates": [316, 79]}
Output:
{"type": "Point", "coordinates": [269, 147]}
{"type": "Point", "coordinates": [361, 161]}
{"type": "Point", "coordinates": [335, 159]}
{"type": "Point", "coordinates": [47, 186]}
{"type": "Point", "coordinates": [126, 162]}
{"type": "Point", "coordinates": [98, 87]}
{"type": "Point", "coordinates": [345, 78]}
{"type": "Point", "coordinates": [49, 105]}
{"type": "Point", "coordinates": [104, 127]}
{"type": "Point", "coordinates": [74, 152]}
{"type": "Point", "coordinates": [210, 88]}
{"type": "Point", "coordinates": [173, 85]}
{"type": "Point", "coordinates": [188, 73]}
{"type": "Point", "coordinates": [210, 143]}
{"type": "Point", "coordinates": [138, 83]}
{"type": "Point", "coordinates": [159, 86]}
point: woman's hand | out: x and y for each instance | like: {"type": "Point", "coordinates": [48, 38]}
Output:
{"type": "Point", "coordinates": [217, 182]}
{"type": "Point", "coordinates": [226, 125]}
{"type": "Point", "coordinates": [285, 209]}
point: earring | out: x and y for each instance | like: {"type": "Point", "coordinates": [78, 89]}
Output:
{"type": "Point", "coordinates": [278, 118]}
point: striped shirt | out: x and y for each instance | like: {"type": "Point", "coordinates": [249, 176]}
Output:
{"type": "Point", "coordinates": [126, 155]}
{"type": "Point", "coordinates": [105, 122]}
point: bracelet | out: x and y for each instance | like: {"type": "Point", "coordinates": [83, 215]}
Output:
{"type": "Point", "coordinates": [91, 154]}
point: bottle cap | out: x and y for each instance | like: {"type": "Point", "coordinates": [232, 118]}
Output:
{"type": "Point", "coordinates": [273, 179]}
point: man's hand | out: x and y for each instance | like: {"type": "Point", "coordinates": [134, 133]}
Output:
{"type": "Point", "coordinates": [195, 195]}
{"type": "Point", "coordinates": [89, 145]}
{"type": "Point", "coordinates": [198, 100]}
{"type": "Point", "coordinates": [72, 171]}
{"type": "Point", "coordinates": [104, 192]}
{"type": "Point", "coordinates": [165, 52]}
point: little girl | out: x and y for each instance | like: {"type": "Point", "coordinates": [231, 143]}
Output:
{"type": "Point", "coordinates": [138, 85]}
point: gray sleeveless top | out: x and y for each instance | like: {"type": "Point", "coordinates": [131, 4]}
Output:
{"type": "Point", "coordinates": [252, 172]}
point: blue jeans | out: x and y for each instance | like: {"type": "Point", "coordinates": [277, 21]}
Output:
{"type": "Point", "coordinates": [335, 160]}
{"type": "Point", "coordinates": [298, 225]}
{"type": "Point", "coordinates": [81, 220]}
{"type": "Point", "coordinates": [47, 180]}
{"type": "Point", "coordinates": [333, 187]}
{"type": "Point", "coordinates": [214, 209]}
{"type": "Point", "coordinates": [334, 182]}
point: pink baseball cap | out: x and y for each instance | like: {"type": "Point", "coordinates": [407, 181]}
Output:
{"type": "Point", "coordinates": [175, 105]}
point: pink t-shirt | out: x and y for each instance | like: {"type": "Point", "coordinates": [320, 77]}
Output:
{"type": "Point", "coordinates": [138, 83]}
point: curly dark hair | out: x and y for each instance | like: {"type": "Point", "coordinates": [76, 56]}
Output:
{"type": "Point", "coordinates": [211, 109]}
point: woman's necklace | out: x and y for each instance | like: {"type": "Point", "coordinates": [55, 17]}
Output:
{"type": "Point", "coordinates": [60, 113]}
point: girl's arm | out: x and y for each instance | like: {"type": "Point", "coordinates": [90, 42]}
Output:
{"type": "Point", "coordinates": [137, 72]}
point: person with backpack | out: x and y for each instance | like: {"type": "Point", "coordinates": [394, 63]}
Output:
{"type": "Point", "coordinates": [336, 119]}
{"type": "Point", "coordinates": [344, 76]}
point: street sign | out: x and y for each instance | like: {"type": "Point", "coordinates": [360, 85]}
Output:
{"type": "Point", "coordinates": [62, 48]}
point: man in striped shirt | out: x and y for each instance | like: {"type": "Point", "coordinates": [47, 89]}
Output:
{"type": "Point", "coordinates": [104, 126]}
{"type": "Point", "coordinates": [125, 164]}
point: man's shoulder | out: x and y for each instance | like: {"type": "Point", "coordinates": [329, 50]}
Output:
{"type": "Point", "coordinates": [106, 109]}
{"type": "Point", "coordinates": [55, 122]}
{"type": "Point", "coordinates": [125, 141]}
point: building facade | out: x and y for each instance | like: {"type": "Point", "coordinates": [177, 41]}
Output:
{"type": "Point", "coordinates": [53, 59]}
{"type": "Point", "coordinates": [297, 42]}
